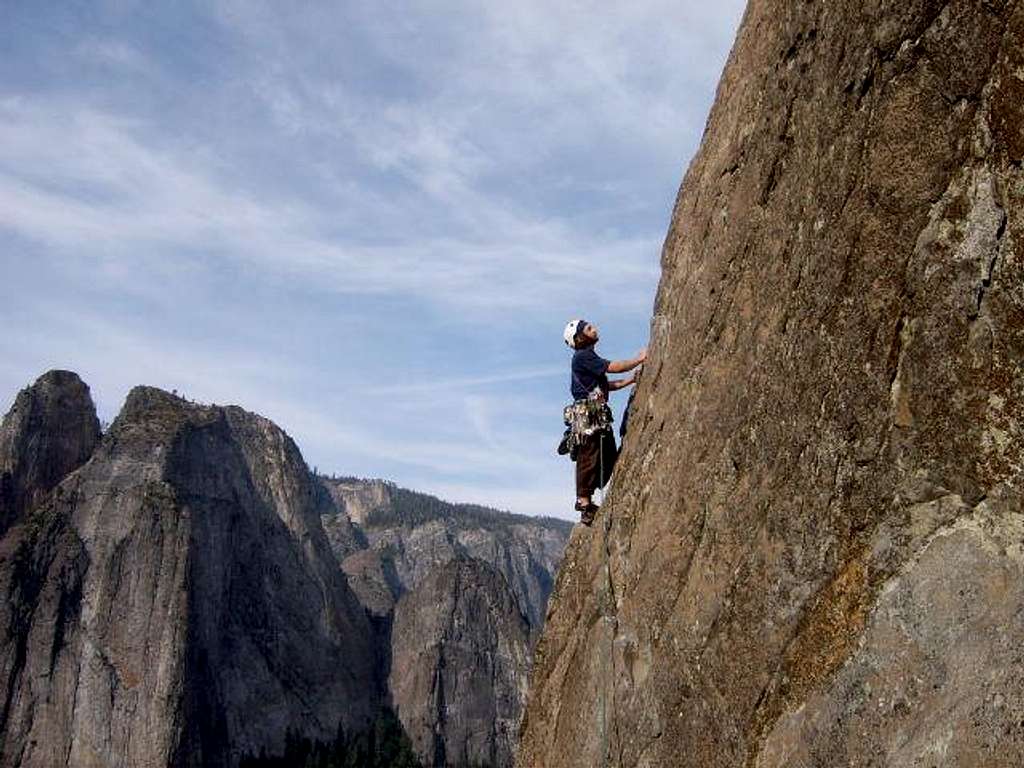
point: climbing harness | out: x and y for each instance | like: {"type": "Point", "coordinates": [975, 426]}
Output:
{"type": "Point", "coordinates": [587, 419]}
{"type": "Point", "coordinates": [582, 419]}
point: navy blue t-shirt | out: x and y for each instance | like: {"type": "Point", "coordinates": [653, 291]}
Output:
{"type": "Point", "coordinates": [589, 370]}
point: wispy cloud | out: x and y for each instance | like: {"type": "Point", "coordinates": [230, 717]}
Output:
{"type": "Point", "coordinates": [367, 221]}
{"type": "Point", "coordinates": [116, 54]}
{"type": "Point", "coordinates": [435, 386]}
{"type": "Point", "coordinates": [70, 176]}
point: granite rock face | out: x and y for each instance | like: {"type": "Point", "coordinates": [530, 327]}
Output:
{"type": "Point", "coordinates": [343, 533]}
{"type": "Point", "coordinates": [49, 432]}
{"type": "Point", "coordinates": [460, 660]}
{"type": "Point", "coordinates": [811, 555]}
{"type": "Point", "coordinates": [412, 533]}
{"type": "Point", "coordinates": [358, 498]}
{"type": "Point", "coordinates": [174, 601]}
{"type": "Point", "coordinates": [374, 580]}
{"type": "Point", "coordinates": [458, 594]}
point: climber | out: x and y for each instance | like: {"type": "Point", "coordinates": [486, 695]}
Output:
{"type": "Point", "coordinates": [589, 417]}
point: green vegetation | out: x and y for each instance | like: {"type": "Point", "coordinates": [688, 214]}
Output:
{"type": "Point", "coordinates": [410, 508]}
{"type": "Point", "coordinates": [385, 745]}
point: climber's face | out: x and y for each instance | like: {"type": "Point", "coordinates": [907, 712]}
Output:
{"type": "Point", "coordinates": [590, 333]}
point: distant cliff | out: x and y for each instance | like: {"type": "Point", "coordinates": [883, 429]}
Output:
{"type": "Point", "coordinates": [458, 593]}
{"type": "Point", "coordinates": [175, 596]}
{"type": "Point", "coordinates": [459, 670]}
{"type": "Point", "coordinates": [409, 533]}
{"type": "Point", "coordinates": [50, 431]}
{"type": "Point", "coordinates": [174, 600]}
{"type": "Point", "coordinates": [812, 552]}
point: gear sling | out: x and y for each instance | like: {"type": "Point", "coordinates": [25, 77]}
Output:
{"type": "Point", "coordinates": [590, 442]}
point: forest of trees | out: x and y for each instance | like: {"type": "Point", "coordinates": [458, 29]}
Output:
{"type": "Point", "coordinates": [385, 745]}
{"type": "Point", "coordinates": [412, 508]}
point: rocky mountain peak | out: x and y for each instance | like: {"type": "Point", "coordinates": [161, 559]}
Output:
{"type": "Point", "coordinates": [177, 595]}
{"type": "Point", "coordinates": [50, 431]}
{"type": "Point", "coordinates": [175, 601]}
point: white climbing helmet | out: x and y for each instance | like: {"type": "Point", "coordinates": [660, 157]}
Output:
{"type": "Point", "coordinates": [571, 329]}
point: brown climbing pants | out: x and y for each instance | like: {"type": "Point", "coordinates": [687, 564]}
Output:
{"type": "Point", "coordinates": [589, 462]}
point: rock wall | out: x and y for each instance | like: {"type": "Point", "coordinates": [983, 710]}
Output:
{"type": "Point", "coordinates": [457, 595]}
{"type": "Point", "coordinates": [409, 534]}
{"type": "Point", "coordinates": [358, 498]}
{"type": "Point", "coordinates": [174, 595]}
{"type": "Point", "coordinates": [49, 432]}
{"type": "Point", "coordinates": [460, 659]}
{"type": "Point", "coordinates": [174, 602]}
{"type": "Point", "coordinates": [812, 552]}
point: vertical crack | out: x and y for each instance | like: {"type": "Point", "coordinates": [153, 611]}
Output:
{"type": "Point", "coordinates": [990, 267]}
{"type": "Point", "coordinates": [612, 617]}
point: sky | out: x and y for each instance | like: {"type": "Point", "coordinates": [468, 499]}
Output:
{"type": "Point", "coordinates": [367, 221]}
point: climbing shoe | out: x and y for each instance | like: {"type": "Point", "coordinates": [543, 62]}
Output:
{"type": "Point", "coordinates": [587, 512]}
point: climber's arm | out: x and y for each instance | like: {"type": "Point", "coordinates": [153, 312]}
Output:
{"type": "Point", "coordinates": [621, 383]}
{"type": "Point", "coordinates": [622, 366]}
